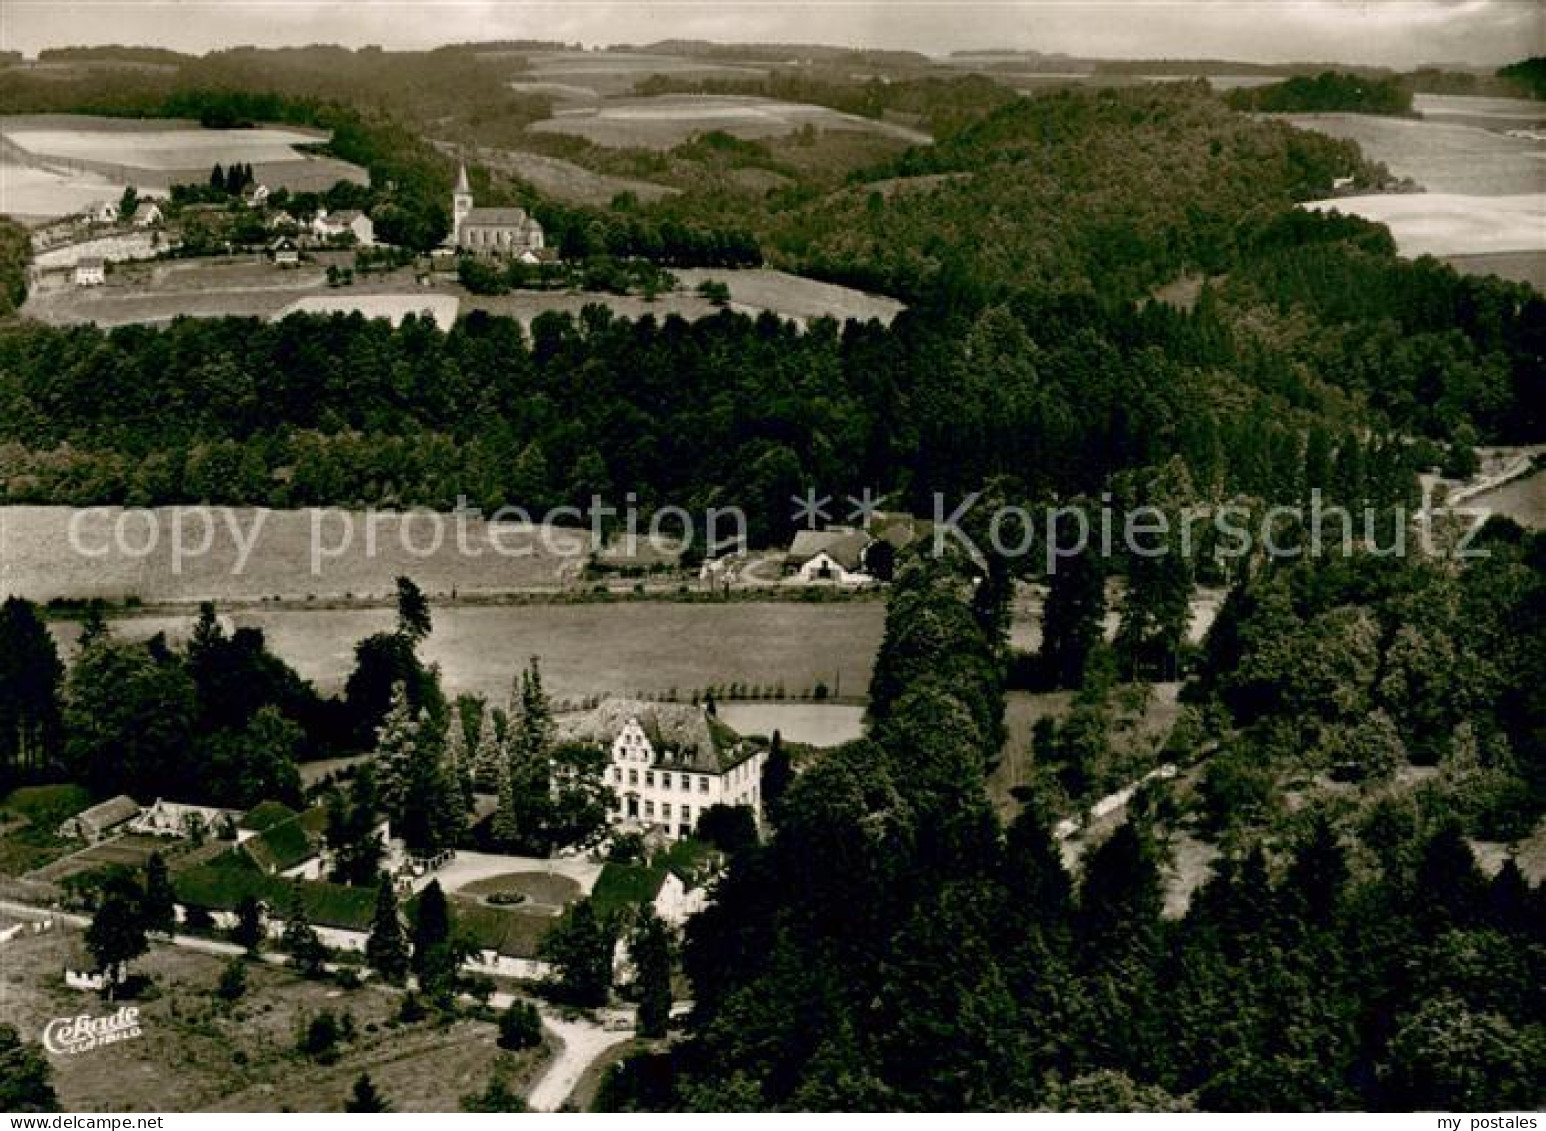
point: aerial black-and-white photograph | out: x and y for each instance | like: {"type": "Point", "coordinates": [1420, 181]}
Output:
{"type": "Point", "coordinates": [846, 556]}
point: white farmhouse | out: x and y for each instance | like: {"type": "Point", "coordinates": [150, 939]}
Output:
{"type": "Point", "coordinates": [670, 762]}
{"type": "Point", "coordinates": [90, 271]}
{"type": "Point", "coordinates": [835, 554]}
{"type": "Point", "coordinates": [345, 222]}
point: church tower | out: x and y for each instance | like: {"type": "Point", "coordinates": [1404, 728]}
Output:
{"type": "Point", "coordinates": [461, 204]}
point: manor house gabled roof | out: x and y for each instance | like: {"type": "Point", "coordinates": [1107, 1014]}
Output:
{"type": "Point", "coordinates": [683, 736]}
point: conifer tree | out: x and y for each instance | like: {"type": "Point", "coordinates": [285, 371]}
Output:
{"type": "Point", "coordinates": [506, 825]}
{"type": "Point", "coordinates": [651, 950]}
{"type": "Point", "coordinates": [365, 1099]}
{"type": "Point", "coordinates": [457, 761]}
{"type": "Point", "coordinates": [487, 756]}
{"type": "Point", "coordinates": [397, 741]}
{"type": "Point", "coordinates": [300, 939]}
{"type": "Point", "coordinates": [158, 904]}
{"type": "Point", "coordinates": [387, 947]}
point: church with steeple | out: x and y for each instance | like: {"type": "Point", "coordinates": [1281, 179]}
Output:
{"type": "Point", "coordinates": [509, 233]}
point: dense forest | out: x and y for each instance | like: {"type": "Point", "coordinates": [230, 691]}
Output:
{"type": "Point", "coordinates": [1347, 952]}
{"type": "Point", "coordinates": [1327, 93]}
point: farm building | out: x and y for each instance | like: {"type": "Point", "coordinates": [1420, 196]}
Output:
{"type": "Point", "coordinates": [341, 915]}
{"type": "Point", "coordinates": [835, 554]}
{"type": "Point", "coordinates": [345, 222]}
{"type": "Point", "coordinates": [504, 232]}
{"type": "Point", "coordinates": [284, 252]}
{"type": "Point", "coordinates": [103, 212]}
{"type": "Point", "coordinates": [281, 842]}
{"type": "Point", "coordinates": [173, 818]}
{"type": "Point", "coordinates": [670, 762]}
{"type": "Point", "coordinates": [148, 214]}
{"type": "Point", "coordinates": [91, 825]}
{"type": "Point", "coordinates": [90, 271]}
{"type": "Point", "coordinates": [504, 943]}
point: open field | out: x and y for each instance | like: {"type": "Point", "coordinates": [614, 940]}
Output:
{"type": "Point", "coordinates": [198, 1053]}
{"type": "Point", "coordinates": [600, 74]}
{"type": "Point", "coordinates": [813, 724]}
{"type": "Point", "coordinates": [33, 195]}
{"type": "Point", "coordinates": [41, 559]}
{"type": "Point", "coordinates": [794, 296]}
{"type": "Point", "coordinates": [160, 153]}
{"type": "Point", "coordinates": [394, 308]}
{"type": "Point", "coordinates": [1481, 111]}
{"type": "Point", "coordinates": [248, 286]}
{"type": "Point", "coordinates": [1523, 500]}
{"type": "Point", "coordinates": [1440, 156]}
{"type": "Point", "coordinates": [586, 649]}
{"type": "Point", "coordinates": [29, 819]}
{"type": "Point", "coordinates": [665, 121]}
{"type": "Point", "coordinates": [1516, 266]}
{"type": "Point", "coordinates": [1434, 223]}
{"type": "Point", "coordinates": [564, 180]}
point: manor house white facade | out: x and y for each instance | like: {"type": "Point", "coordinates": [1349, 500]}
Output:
{"type": "Point", "coordinates": [671, 761]}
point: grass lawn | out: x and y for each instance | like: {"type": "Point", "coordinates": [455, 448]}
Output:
{"type": "Point", "coordinates": [30, 817]}
{"type": "Point", "coordinates": [537, 887]}
{"type": "Point", "coordinates": [200, 1053]}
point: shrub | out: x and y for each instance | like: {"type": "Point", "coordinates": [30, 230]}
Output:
{"type": "Point", "coordinates": [233, 980]}
{"type": "Point", "coordinates": [520, 1027]}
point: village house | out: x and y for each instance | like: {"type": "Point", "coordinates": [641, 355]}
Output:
{"type": "Point", "coordinates": [504, 945]}
{"type": "Point", "coordinates": [670, 762]}
{"type": "Point", "coordinates": [340, 915]}
{"type": "Point", "coordinates": [256, 196]}
{"type": "Point", "coordinates": [90, 271]}
{"type": "Point", "coordinates": [101, 820]}
{"type": "Point", "coordinates": [508, 233]}
{"type": "Point", "coordinates": [284, 253]}
{"type": "Point", "coordinates": [281, 842]}
{"type": "Point", "coordinates": [327, 225]}
{"type": "Point", "coordinates": [173, 818]}
{"type": "Point", "coordinates": [835, 554]}
{"type": "Point", "coordinates": [102, 212]}
{"type": "Point", "coordinates": [147, 215]}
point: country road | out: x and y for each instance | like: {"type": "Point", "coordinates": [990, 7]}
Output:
{"type": "Point", "coordinates": [580, 1043]}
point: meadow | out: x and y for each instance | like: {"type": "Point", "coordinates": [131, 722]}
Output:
{"type": "Point", "coordinates": [590, 649]}
{"type": "Point", "coordinates": [1441, 156]}
{"type": "Point", "coordinates": [665, 121]}
{"type": "Point", "coordinates": [40, 560]}
{"type": "Point", "coordinates": [1442, 223]}
{"type": "Point", "coordinates": [34, 195]}
{"type": "Point", "coordinates": [158, 153]}
{"type": "Point", "coordinates": [592, 74]}
{"type": "Point", "coordinates": [393, 307]}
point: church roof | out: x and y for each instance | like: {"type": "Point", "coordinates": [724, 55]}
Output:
{"type": "Point", "coordinates": [496, 217]}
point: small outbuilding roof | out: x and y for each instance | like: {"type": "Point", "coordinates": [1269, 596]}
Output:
{"type": "Point", "coordinates": [843, 544]}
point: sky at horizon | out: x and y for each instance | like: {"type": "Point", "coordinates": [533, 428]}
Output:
{"type": "Point", "coordinates": [1398, 33]}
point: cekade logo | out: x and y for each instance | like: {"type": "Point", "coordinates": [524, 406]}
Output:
{"type": "Point", "coordinates": [66, 1036]}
